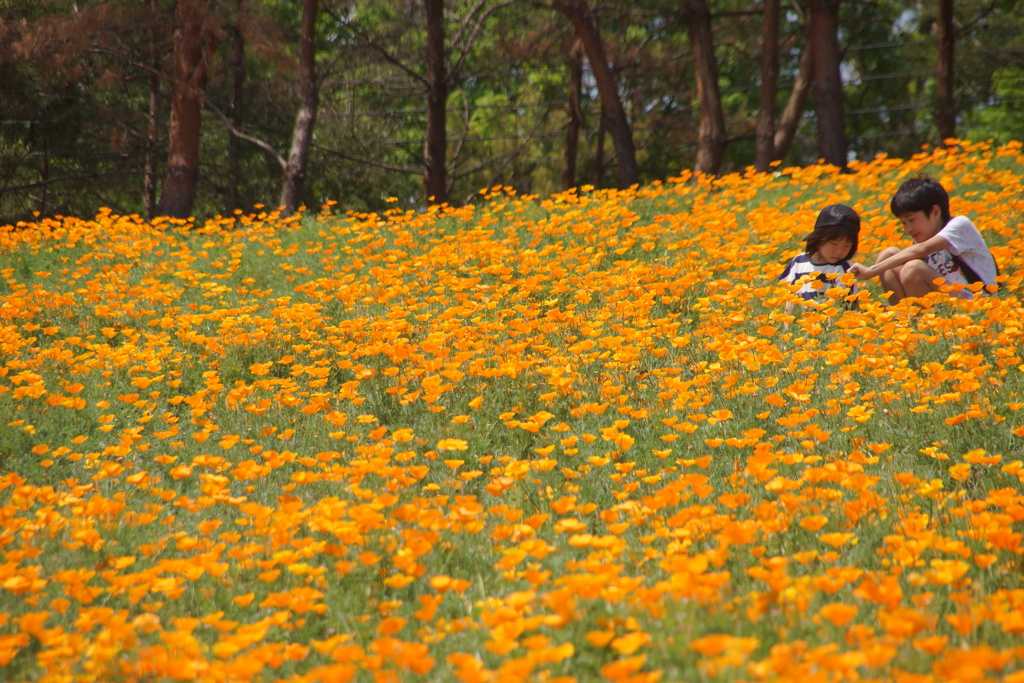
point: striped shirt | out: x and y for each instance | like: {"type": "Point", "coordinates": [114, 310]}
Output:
{"type": "Point", "coordinates": [802, 265]}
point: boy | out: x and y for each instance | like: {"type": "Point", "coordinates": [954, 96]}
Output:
{"type": "Point", "coordinates": [950, 248]}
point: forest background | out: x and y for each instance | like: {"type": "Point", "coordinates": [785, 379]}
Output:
{"type": "Point", "coordinates": [203, 107]}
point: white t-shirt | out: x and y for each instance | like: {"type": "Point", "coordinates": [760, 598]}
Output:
{"type": "Point", "coordinates": [966, 242]}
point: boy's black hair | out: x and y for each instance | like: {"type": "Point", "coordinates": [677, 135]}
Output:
{"type": "Point", "coordinates": [920, 194]}
{"type": "Point", "coordinates": [833, 222]}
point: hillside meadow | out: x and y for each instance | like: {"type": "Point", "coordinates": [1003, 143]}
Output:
{"type": "Point", "coordinates": [575, 438]}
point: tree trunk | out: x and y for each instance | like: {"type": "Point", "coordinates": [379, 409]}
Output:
{"type": "Point", "coordinates": [305, 120]}
{"type": "Point", "coordinates": [789, 122]}
{"type": "Point", "coordinates": [711, 129]}
{"type": "Point", "coordinates": [237, 109]}
{"type": "Point", "coordinates": [191, 56]}
{"type": "Point", "coordinates": [44, 176]}
{"type": "Point", "coordinates": [436, 144]}
{"type": "Point", "coordinates": [765, 131]}
{"type": "Point", "coordinates": [828, 87]}
{"type": "Point", "coordinates": [572, 129]}
{"type": "Point", "coordinates": [152, 137]}
{"type": "Point", "coordinates": [579, 13]}
{"type": "Point", "coordinates": [602, 127]}
{"type": "Point", "coordinates": [945, 110]}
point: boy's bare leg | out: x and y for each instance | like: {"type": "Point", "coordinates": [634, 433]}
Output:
{"type": "Point", "coordinates": [916, 278]}
{"type": "Point", "coordinates": [890, 279]}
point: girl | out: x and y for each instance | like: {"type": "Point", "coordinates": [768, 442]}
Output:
{"type": "Point", "coordinates": [830, 246]}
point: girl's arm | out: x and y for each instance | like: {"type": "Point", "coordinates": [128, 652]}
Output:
{"type": "Point", "coordinates": [786, 274]}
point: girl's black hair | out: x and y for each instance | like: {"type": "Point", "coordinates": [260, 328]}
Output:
{"type": "Point", "coordinates": [835, 221]}
{"type": "Point", "coordinates": [920, 194]}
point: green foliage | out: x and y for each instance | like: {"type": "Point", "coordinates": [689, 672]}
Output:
{"type": "Point", "coordinates": [76, 95]}
{"type": "Point", "coordinates": [1003, 119]}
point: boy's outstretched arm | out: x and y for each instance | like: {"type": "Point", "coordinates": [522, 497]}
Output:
{"type": "Point", "coordinates": [888, 260]}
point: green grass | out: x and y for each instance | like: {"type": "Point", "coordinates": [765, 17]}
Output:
{"type": "Point", "coordinates": [642, 428]}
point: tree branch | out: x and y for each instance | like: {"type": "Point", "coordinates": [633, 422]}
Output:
{"type": "Point", "coordinates": [504, 162]}
{"type": "Point", "coordinates": [71, 178]}
{"type": "Point", "coordinates": [986, 9]}
{"type": "Point", "coordinates": [391, 59]}
{"type": "Point", "coordinates": [464, 49]}
{"type": "Point", "coordinates": [270, 151]}
{"type": "Point", "coordinates": [462, 138]}
{"type": "Point", "coordinates": [369, 162]}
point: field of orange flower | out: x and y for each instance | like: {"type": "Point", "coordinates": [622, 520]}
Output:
{"type": "Point", "coordinates": [575, 438]}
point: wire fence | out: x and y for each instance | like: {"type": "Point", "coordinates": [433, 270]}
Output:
{"type": "Point", "coordinates": [591, 102]}
{"type": "Point", "coordinates": [863, 115]}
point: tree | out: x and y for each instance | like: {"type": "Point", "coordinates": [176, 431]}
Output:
{"type": "Point", "coordinates": [765, 130]}
{"type": "Point", "coordinates": [435, 170]}
{"type": "Point", "coordinates": [305, 119]}
{"type": "Point", "coordinates": [828, 91]}
{"type": "Point", "coordinates": [575, 114]}
{"type": "Point", "coordinates": [774, 136]}
{"type": "Point", "coordinates": [237, 107]}
{"type": "Point", "coordinates": [711, 132]}
{"type": "Point", "coordinates": [945, 109]}
{"type": "Point", "coordinates": [429, 53]}
{"type": "Point", "coordinates": [294, 167]}
{"type": "Point", "coordinates": [789, 122]}
{"type": "Point", "coordinates": [195, 39]}
{"type": "Point", "coordinates": [585, 25]}
{"type": "Point", "coordinates": [86, 95]}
